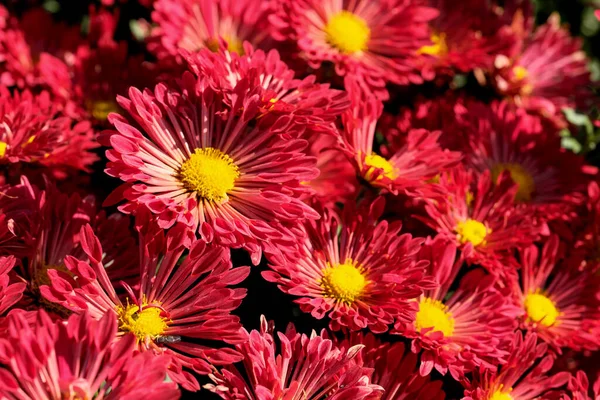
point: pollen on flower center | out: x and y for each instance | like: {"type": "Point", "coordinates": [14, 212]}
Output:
{"type": "Point", "coordinates": [234, 45]}
{"type": "Point", "coordinates": [344, 282]}
{"type": "Point", "coordinates": [499, 395]}
{"type": "Point", "coordinates": [347, 32]}
{"type": "Point", "coordinates": [471, 231]}
{"type": "Point", "coordinates": [520, 176]}
{"type": "Point", "coordinates": [438, 46]}
{"type": "Point", "coordinates": [434, 314]}
{"type": "Point", "coordinates": [144, 324]}
{"type": "Point", "coordinates": [520, 72]}
{"type": "Point", "coordinates": [541, 309]}
{"type": "Point", "coordinates": [100, 109]}
{"type": "Point", "coordinates": [3, 146]}
{"type": "Point", "coordinates": [209, 172]}
{"type": "Point", "coordinates": [375, 161]}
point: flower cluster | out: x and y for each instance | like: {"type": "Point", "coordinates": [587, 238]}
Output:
{"type": "Point", "coordinates": [170, 192]}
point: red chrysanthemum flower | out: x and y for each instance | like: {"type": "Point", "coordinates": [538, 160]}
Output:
{"type": "Point", "coordinates": [394, 369]}
{"type": "Point", "coordinates": [465, 36]}
{"type": "Point", "coordinates": [462, 329]}
{"type": "Point", "coordinates": [523, 377]}
{"type": "Point", "coordinates": [176, 305]}
{"type": "Point", "coordinates": [35, 52]}
{"type": "Point", "coordinates": [375, 42]}
{"type": "Point", "coordinates": [405, 164]}
{"type": "Point", "coordinates": [192, 25]}
{"type": "Point", "coordinates": [549, 178]}
{"type": "Point", "coordinates": [35, 132]}
{"type": "Point", "coordinates": [480, 217]}
{"type": "Point", "coordinates": [10, 293]}
{"type": "Point", "coordinates": [547, 73]}
{"type": "Point", "coordinates": [313, 106]}
{"type": "Point", "coordinates": [308, 367]}
{"type": "Point", "coordinates": [355, 269]}
{"type": "Point", "coordinates": [77, 359]}
{"type": "Point", "coordinates": [57, 235]}
{"type": "Point", "coordinates": [214, 167]}
{"type": "Point", "coordinates": [559, 303]}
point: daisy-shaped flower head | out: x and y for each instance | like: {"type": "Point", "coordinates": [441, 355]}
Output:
{"type": "Point", "coordinates": [461, 330]}
{"type": "Point", "coordinates": [77, 359]}
{"type": "Point", "coordinates": [523, 377]}
{"type": "Point", "coordinates": [172, 307]}
{"type": "Point", "coordinates": [10, 293]}
{"type": "Point", "coordinates": [559, 303]}
{"type": "Point", "coordinates": [35, 132]}
{"type": "Point", "coordinates": [192, 25]}
{"type": "Point", "coordinates": [192, 158]}
{"type": "Point", "coordinates": [549, 177]}
{"type": "Point", "coordinates": [313, 106]}
{"type": "Point", "coordinates": [355, 269]}
{"type": "Point", "coordinates": [375, 42]}
{"type": "Point", "coordinates": [394, 368]}
{"type": "Point", "coordinates": [35, 52]}
{"type": "Point", "coordinates": [549, 72]}
{"type": "Point", "coordinates": [311, 367]}
{"type": "Point", "coordinates": [480, 217]}
{"type": "Point", "coordinates": [404, 165]}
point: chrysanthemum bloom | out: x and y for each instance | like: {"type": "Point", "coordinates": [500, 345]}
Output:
{"type": "Point", "coordinates": [175, 307]}
{"type": "Point", "coordinates": [403, 166]}
{"type": "Point", "coordinates": [550, 179]}
{"type": "Point", "coordinates": [337, 177]}
{"type": "Point", "coordinates": [548, 73]}
{"type": "Point", "coordinates": [579, 386]}
{"type": "Point", "coordinates": [355, 269]}
{"type": "Point", "coordinates": [77, 359]}
{"type": "Point", "coordinates": [464, 329]}
{"type": "Point", "coordinates": [201, 162]}
{"type": "Point", "coordinates": [307, 367]}
{"type": "Point", "coordinates": [394, 369]}
{"type": "Point", "coordinates": [559, 303]}
{"type": "Point", "coordinates": [480, 217]}
{"type": "Point", "coordinates": [314, 106]}
{"type": "Point", "coordinates": [10, 293]}
{"type": "Point", "coordinates": [376, 42]}
{"type": "Point", "coordinates": [34, 131]}
{"type": "Point", "coordinates": [57, 235]}
{"type": "Point", "coordinates": [196, 24]}
{"type": "Point", "coordinates": [35, 52]}
{"type": "Point", "coordinates": [523, 377]}
{"type": "Point", "coordinates": [465, 36]}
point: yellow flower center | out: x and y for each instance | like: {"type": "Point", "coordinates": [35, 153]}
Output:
{"type": "Point", "coordinates": [434, 314]}
{"type": "Point", "coordinates": [344, 282]}
{"type": "Point", "coordinates": [520, 72]}
{"type": "Point", "coordinates": [100, 109]}
{"type": "Point", "coordinates": [234, 45]}
{"type": "Point", "coordinates": [209, 172]}
{"type": "Point", "coordinates": [347, 32]}
{"type": "Point", "coordinates": [520, 176]}
{"type": "Point", "coordinates": [375, 162]}
{"type": "Point", "coordinates": [3, 146]}
{"type": "Point", "coordinates": [471, 231]}
{"type": "Point", "coordinates": [438, 46]}
{"type": "Point", "coordinates": [541, 309]}
{"type": "Point", "coordinates": [145, 324]}
{"type": "Point", "coordinates": [499, 395]}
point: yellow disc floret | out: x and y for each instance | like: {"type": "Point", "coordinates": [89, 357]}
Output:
{"type": "Point", "coordinates": [3, 146]}
{"type": "Point", "coordinates": [541, 309]}
{"type": "Point", "coordinates": [520, 176]}
{"type": "Point", "coordinates": [343, 282]}
{"type": "Point", "coordinates": [434, 314]}
{"type": "Point", "coordinates": [209, 172]}
{"type": "Point", "coordinates": [500, 395]}
{"type": "Point", "coordinates": [520, 72]}
{"type": "Point", "coordinates": [438, 46]}
{"type": "Point", "coordinates": [347, 32]}
{"type": "Point", "coordinates": [145, 324]}
{"type": "Point", "coordinates": [100, 109]}
{"type": "Point", "coordinates": [374, 162]}
{"type": "Point", "coordinates": [471, 231]}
